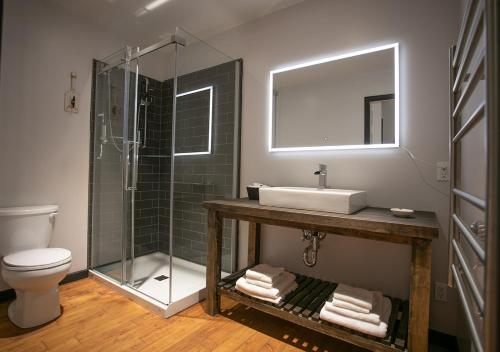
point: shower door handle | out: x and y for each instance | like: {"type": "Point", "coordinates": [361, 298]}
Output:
{"type": "Point", "coordinates": [135, 168]}
{"type": "Point", "coordinates": [127, 177]}
{"type": "Point", "coordinates": [126, 186]}
{"type": "Point", "coordinates": [132, 187]}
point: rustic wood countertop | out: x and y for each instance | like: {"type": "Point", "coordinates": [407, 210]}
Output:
{"type": "Point", "coordinates": [372, 223]}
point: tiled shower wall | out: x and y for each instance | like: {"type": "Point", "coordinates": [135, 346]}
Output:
{"type": "Point", "coordinates": [204, 177]}
{"type": "Point", "coordinates": [148, 190]}
{"type": "Point", "coordinates": [197, 177]}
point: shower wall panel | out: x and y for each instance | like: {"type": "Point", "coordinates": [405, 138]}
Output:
{"type": "Point", "coordinates": [105, 190]}
{"type": "Point", "coordinates": [207, 176]}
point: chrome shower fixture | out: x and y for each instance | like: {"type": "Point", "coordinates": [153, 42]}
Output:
{"type": "Point", "coordinates": [103, 134]}
{"type": "Point", "coordinates": [103, 137]}
{"type": "Point", "coordinates": [146, 99]}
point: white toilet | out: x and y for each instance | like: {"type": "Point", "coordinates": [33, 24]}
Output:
{"type": "Point", "coordinates": [29, 267]}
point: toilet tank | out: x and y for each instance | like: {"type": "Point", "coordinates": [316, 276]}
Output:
{"type": "Point", "coordinates": [23, 228]}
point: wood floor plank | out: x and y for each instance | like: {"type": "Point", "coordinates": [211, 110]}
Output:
{"type": "Point", "coordinates": [96, 318]}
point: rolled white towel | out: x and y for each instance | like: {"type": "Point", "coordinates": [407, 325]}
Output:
{"type": "Point", "coordinates": [373, 317]}
{"type": "Point", "coordinates": [243, 285]}
{"type": "Point", "coordinates": [264, 272]}
{"type": "Point", "coordinates": [350, 306]}
{"type": "Point", "coordinates": [355, 295]}
{"type": "Point", "coordinates": [278, 281]}
{"type": "Point", "coordinates": [378, 330]}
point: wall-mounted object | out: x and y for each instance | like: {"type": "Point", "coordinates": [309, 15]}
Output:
{"type": "Point", "coordinates": [320, 104]}
{"type": "Point", "coordinates": [71, 97]}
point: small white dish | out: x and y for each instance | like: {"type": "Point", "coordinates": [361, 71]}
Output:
{"type": "Point", "coordinates": [402, 213]}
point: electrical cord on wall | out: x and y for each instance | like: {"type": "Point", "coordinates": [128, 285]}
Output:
{"type": "Point", "coordinates": [414, 159]}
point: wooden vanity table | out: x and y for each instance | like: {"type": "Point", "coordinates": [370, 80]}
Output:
{"type": "Point", "coordinates": [409, 322]}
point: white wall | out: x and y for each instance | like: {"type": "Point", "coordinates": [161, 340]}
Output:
{"type": "Point", "coordinates": [320, 28]}
{"type": "Point", "coordinates": [44, 151]}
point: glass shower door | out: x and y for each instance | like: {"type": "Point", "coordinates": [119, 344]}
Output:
{"type": "Point", "coordinates": [130, 168]}
{"type": "Point", "coordinates": [149, 125]}
{"type": "Point", "coordinates": [110, 175]}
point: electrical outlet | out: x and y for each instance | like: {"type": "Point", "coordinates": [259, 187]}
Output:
{"type": "Point", "coordinates": [442, 171]}
{"type": "Point", "coordinates": [441, 292]}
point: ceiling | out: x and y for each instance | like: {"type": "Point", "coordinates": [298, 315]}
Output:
{"type": "Point", "coordinates": [140, 22]}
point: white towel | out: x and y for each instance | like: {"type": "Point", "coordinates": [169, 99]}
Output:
{"type": "Point", "coordinates": [243, 285]}
{"type": "Point", "coordinates": [378, 330]}
{"type": "Point", "coordinates": [355, 295]}
{"type": "Point", "coordinates": [350, 306]}
{"type": "Point", "coordinates": [279, 279]}
{"type": "Point", "coordinates": [373, 317]}
{"type": "Point", "coordinates": [272, 293]}
{"type": "Point", "coordinates": [264, 272]}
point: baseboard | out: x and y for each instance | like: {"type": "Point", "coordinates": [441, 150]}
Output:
{"type": "Point", "coordinates": [77, 275]}
{"type": "Point", "coordinates": [448, 342]}
{"type": "Point", "coordinates": [7, 295]}
{"type": "Point", "coordinates": [10, 294]}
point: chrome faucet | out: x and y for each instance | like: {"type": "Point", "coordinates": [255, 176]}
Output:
{"type": "Point", "coordinates": [321, 172]}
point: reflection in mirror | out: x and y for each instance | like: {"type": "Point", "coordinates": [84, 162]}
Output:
{"type": "Point", "coordinates": [345, 102]}
{"type": "Point", "coordinates": [379, 119]}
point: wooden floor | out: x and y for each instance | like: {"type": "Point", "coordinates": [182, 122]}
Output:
{"type": "Point", "coordinates": [96, 318]}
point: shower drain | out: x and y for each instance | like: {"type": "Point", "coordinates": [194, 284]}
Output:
{"type": "Point", "coordinates": [161, 277]}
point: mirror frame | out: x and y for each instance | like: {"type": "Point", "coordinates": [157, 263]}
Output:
{"type": "Point", "coordinates": [394, 46]}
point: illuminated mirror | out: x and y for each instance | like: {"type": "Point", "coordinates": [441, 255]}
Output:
{"type": "Point", "coordinates": [349, 101]}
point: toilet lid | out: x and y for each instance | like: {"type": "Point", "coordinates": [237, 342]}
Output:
{"type": "Point", "coordinates": [36, 259]}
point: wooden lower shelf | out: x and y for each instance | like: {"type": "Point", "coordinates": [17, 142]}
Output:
{"type": "Point", "coordinates": [303, 305]}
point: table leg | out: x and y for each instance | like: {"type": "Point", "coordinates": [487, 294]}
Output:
{"type": "Point", "coordinates": [253, 243]}
{"type": "Point", "coordinates": [420, 287]}
{"type": "Point", "coordinates": [214, 257]}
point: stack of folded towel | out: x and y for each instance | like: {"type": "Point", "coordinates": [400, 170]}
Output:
{"type": "Point", "coordinates": [358, 309]}
{"type": "Point", "coordinates": [267, 283]}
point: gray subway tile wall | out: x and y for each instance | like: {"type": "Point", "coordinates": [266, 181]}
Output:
{"type": "Point", "coordinates": [165, 165]}
{"type": "Point", "coordinates": [146, 207]}
{"type": "Point", "coordinates": [204, 177]}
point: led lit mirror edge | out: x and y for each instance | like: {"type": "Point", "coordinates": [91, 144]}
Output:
{"type": "Point", "coordinates": [394, 46]}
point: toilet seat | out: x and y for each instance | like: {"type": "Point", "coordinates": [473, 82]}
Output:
{"type": "Point", "coordinates": [36, 259]}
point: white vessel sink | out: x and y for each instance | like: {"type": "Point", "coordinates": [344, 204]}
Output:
{"type": "Point", "coordinates": [328, 199]}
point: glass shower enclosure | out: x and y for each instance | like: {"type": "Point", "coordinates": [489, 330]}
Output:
{"type": "Point", "coordinates": [164, 137]}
